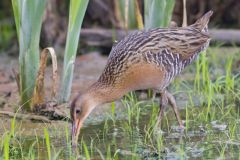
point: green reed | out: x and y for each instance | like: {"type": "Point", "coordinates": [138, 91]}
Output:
{"type": "Point", "coordinates": [76, 15]}
{"type": "Point", "coordinates": [86, 152]}
{"type": "Point", "coordinates": [47, 141]}
{"type": "Point", "coordinates": [6, 146]}
{"type": "Point", "coordinates": [28, 15]}
{"type": "Point", "coordinates": [229, 79]}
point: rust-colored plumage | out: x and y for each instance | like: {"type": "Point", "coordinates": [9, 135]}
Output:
{"type": "Point", "coordinates": [144, 60]}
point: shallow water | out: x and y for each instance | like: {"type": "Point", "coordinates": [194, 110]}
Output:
{"type": "Point", "coordinates": [125, 140]}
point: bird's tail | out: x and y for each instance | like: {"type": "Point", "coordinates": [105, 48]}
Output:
{"type": "Point", "coordinates": [202, 23]}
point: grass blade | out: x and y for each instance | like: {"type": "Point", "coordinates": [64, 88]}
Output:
{"type": "Point", "coordinates": [47, 140]}
{"type": "Point", "coordinates": [87, 155]}
{"type": "Point", "coordinates": [16, 4]}
{"type": "Point", "coordinates": [6, 147]}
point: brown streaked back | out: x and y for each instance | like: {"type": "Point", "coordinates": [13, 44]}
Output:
{"type": "Point", "coordinates": [168, 48]}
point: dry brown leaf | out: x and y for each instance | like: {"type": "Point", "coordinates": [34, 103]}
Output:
{"type": "Point", "coordinates": [117, 14]}
{"type": "Point", "coordinates": [39, 92]}
{"type": "Point", "coordinates": [126, 16]}
{"type": "Point", "coordinates": [184, 24]}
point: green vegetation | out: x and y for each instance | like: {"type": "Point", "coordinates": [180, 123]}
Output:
{"type": "Point", "coordinates": [77, 12]}
{"type": "Point", "coordinates": [28, 18]}
{"type": "Point", "coordinates": [28, 15]}
{"type": "Point", "coordinates": [210, 112]}
{"type": "Point", "coordinates": [162, 8]}
{"type": "Point", "coordinates": [127, 7]}
{"type": "Point", "coordinates": [7, 33]}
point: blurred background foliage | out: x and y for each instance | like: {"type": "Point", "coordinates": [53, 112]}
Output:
{"type": "Point", "coordinates": [103, 14]}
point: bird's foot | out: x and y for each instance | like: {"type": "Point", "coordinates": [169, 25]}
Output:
{"type": "Point", "coordinates": [179, 128]}
{"type": "Point", "coordinates": [75, 149]}
{"type": "Point", "coordinates": [182, 127]}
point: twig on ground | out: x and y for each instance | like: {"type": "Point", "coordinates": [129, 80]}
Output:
{"type": "Point", "coordinates": [25, 116]}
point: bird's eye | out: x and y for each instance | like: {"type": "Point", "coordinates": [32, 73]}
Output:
{"type": "Point", "coordinates": [78, 111]}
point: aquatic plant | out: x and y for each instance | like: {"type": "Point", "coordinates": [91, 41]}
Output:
{"type": "Point", "coordinates": [76, 14]}
{"type": "Point", "coordinates": [157, 13]}
{"type": "Point", "coordinates": [28, 18]}
{"type": "Point", "coordinates": [28, 15]}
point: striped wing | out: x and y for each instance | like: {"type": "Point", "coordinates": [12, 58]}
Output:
{"type": "Point", "coordinates": [174, 49]}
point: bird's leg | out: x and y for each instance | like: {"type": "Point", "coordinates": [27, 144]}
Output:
{"type": "Point", "coordinates": [173, 104]}
{"type": "Point", "coordinates": [163, 103]}
{"type": "Point", "coordinates": [154, 94]}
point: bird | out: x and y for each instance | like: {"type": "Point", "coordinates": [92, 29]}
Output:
{"type": "Point", "coordinates": [145, 59]}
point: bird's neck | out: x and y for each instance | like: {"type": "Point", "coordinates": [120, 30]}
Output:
{"type": "Point", "coordinates": [98, 94]}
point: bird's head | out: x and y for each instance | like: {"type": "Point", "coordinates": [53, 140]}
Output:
{"type": "Point", "coordinates": [83, 104]}
{"type": "Point", "coordinates": [81, 107]}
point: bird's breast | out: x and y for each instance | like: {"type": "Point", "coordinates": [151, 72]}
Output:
{"type": "Point", "coordinates": [142, 76]}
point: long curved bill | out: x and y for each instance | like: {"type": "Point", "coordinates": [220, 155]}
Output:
{"type": "Point", "coordinates": [76, 126]}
